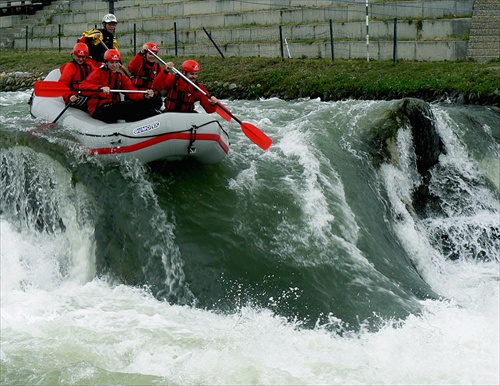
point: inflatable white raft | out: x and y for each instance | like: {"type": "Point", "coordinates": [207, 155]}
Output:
{"type": "Point", "coordinates": [167, 136]}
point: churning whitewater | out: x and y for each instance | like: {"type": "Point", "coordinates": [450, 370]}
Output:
{"type": "Point", "coordinates": [331, 258]}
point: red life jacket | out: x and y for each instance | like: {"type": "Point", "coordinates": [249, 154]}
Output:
{"type": "Point", "coordinates": [181, 95]}
{"type": "Point", "coordinates": [142, 72]}
{"type": "Point", "coordinates": [101, 77]}
{"type": "Point", "coordinates": [72, 74]}
{"type": "Point", "coordinates": [76, 74]}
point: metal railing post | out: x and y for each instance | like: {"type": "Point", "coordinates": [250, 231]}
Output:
{"type": "Point", "coordinates": [395, 43]}
{"type": "Point", "coordinates": [135, 38]}
{"type": "Point", "coordinates": [331, 39]}
{"type": "Point", "coordinates": [175, 37]}
{"type": "Point", "coordinates": [281, 43]}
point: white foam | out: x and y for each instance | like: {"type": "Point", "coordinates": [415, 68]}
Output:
{"type": "Point", "coordinates": [122, 330]}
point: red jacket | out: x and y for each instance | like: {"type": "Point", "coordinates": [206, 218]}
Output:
{"type": "Point", "coordinates": [181, 95]}
{"type": "Point", "coordinates": [104, 77]}
{"type": "Point", "coordinates": [143, 73]}
{"type": "Point", "coordinates": [72, 75]}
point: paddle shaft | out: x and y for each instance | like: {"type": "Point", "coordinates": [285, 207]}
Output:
{"type": "Point", "coordinates": [123, 91]}
{"type": "Point", "coordinates": [103, 44]}
{"type": "Point", "coordinates": [251, 131]}
{"type": "Point", "coordinates": [122, 67]}
{"type": "Point", "coordinates": [61, 113]}
{"type": "Point", "coordinates": [222, 110]}
{"type": "Point", "coordinates": [52, 88]}
{"type": "Point", "coordinates": [180, 73]}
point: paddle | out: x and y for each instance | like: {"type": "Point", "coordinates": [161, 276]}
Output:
{"type": "Point", "coordinates": [61, 113]}
{"type": "Point", "coordinates": [255, 134]}
{"type": "Point", "coordinates": [220, 109]}
{"type": "Point", "coordinates": [53, 89]}
{"type": "Point", "coordinates": [50, 124]}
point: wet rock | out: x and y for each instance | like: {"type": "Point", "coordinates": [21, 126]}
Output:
{"type": "Point", "coordinates": [381, 138]}
{"type": "Point", "coordinates": [18, 81]}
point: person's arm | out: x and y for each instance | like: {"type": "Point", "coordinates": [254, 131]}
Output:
{"type": "Point", "coordinates": [66, 78]}
{"type": "Point", "coordinates": [160, 81]}
{"type": "Point", "coordinates": [135, 64]}
{"type": "Point", "coordinates": [93, 82]}
{"type": "Point", "coordinates": [91, 37]}
{"type": "Point", "coordinates": [128, 85]}
{"type": "Point", "coordinates": [165, 79]}
{"type": "Point", "coordinates": [67, 74]}
{"type": "Point", "coordinates": [207, 103]}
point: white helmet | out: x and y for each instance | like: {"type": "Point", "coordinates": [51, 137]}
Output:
{"type": "Point", "coordinates": [109, 18]}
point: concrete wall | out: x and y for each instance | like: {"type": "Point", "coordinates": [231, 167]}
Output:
{"type": "Point", "coordinates": [252, 28]}
{"type": "Point", "coordinates": [450, 51]}
{"type": "Point", "coordinates": [484, 42]}
{"type": "Point", "coordinates": [12, 20]}
{"type": "Point", "coordinates": [224, 14]}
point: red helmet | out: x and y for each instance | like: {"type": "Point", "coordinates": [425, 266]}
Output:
{"type": "Point", "coordinates": [153, 47]}
{"type": "Point", "coordinates": [112, 54]}
{"type": "Point", "coordinates": [190, 66]}
{"type": "Point", "coordinates": [81, 49]}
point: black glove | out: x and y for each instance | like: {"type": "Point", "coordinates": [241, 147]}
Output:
{"type": "Point", "coordinates": [80, 101]}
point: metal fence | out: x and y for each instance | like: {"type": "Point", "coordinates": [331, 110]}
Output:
{"type": "Point", "coordinates": [363, 32]}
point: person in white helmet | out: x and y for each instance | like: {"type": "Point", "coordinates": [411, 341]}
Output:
{"type": "Point", "coordinates": [100, 40]}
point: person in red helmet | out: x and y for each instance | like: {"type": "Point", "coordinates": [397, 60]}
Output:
{"type": "Point", "coordinates": [107, 106]}
{"type": "Point", "coordinates": [143, 70]}
{"type": "Point", "coordinates": [180, 95]}
{"type": "Point", "coordinates": [73, 73]}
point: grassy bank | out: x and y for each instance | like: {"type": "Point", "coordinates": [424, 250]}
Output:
{"type": "Point", "coordinates": [249, 78]}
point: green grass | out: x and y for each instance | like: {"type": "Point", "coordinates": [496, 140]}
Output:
{"type": "Point", "coordinates": [300, 78]}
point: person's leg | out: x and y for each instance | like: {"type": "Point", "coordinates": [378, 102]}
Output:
{"type": "Point", "coordinates": [109, 114]}
{"type": "Point", "coordinates": [126, 110]}
{"type": "Point", "coordinates": [136, 111]}
{"type": "Point", "coordinates": [156, 102]}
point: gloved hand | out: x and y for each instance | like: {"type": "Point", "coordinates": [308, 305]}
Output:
{"type": "Point", "coordinates": [94, 34]}
{"type": "Point", "coordinates": [168, 66]}
{"type": "Point", "coordinates": [77, 100]}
